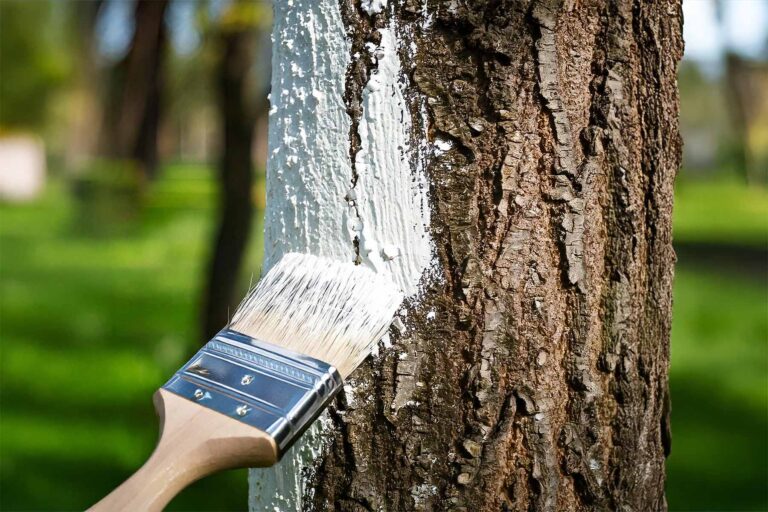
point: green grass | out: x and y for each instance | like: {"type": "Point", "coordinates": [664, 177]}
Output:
{"type": "Point", "coordinates": [722, 211]}
{"type": "Point", "coordinates": [719, 367]}
{"type": "Point", "coordinates": [91, 325]}
{"type": "Point", "coordinates": [93, 322]}
{"type": "Point", "coordinates": [719, 390]}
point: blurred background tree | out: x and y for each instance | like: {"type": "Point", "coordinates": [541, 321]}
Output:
{"type": "Point", "coordinates": [136, 90]}
{"type": "Point", "coordinates": [241, 101]}
{"type": "Point", "coordinates": [723, 82]}
{"type": "Point", "coordinates": [108, 277]}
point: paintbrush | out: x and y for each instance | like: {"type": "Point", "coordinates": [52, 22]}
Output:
{"type": "Point", "coordinates": [252, 390]}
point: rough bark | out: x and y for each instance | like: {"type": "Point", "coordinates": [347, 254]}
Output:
{"type": "Point", "coordinates": [532, 374]}
{"type": "Point", "coordinates": [238, 115]}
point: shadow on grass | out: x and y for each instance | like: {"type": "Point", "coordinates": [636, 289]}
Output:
{"type": "Point", "coordinates": [719, 450]}
{"type": "Point", "coordinates": [48, 483]}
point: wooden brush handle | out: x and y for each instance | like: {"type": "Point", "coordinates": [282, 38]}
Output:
{"type": "Point", "coordinates": [194, 442]}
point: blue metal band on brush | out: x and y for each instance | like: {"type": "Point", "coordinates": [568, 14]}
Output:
{"type": "Point", "coordinates": [265, 386]}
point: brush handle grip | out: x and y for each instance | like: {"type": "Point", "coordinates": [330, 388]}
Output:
{"type": "Point", "coordinates": [194, 442]}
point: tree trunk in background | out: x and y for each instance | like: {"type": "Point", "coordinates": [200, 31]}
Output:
{"type": "Point", "coordinates": [87, 105]}
{"type": "Point", "coordinates": [238, 116]}
{"type": "Point", "coordinates": [138, 90]}
{"type": "Point", "coordinates": [744, 88]}
{"type": "Point", "coordinates": [529, 368]}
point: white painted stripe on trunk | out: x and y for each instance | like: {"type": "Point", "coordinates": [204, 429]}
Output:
{"type": "Point", "coordinates": [308, 166]}
{"type": "Point", "coordinates": [392, 199]}
{"type": "Point", "coordinates": [309, 173]}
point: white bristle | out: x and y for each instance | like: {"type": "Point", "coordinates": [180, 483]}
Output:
{"type": "Point", "coordinates": [335, 312]}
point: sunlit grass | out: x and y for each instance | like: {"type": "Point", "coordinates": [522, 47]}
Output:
{"type": "Point", "coordinates": [724, 210]}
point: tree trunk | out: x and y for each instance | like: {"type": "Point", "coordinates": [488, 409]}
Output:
{"type": "Point", "coordinates": [510, 165]}
{"type": "Point", "coordinates": [138, 89]}
{"type": "Point", "coordinates": [238, 116]}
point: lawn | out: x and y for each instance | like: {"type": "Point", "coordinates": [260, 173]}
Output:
{"type": "Point", "coordinates": [91, 325]}
{"type": "Point", "coordinates": [93, 322]}
{"type": "Point", "coordinates": [719, 393]}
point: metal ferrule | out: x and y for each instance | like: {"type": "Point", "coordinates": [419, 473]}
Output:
{"type": "Point", "coordinates": [275, 390]}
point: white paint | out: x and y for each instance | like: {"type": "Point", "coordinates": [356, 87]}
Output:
{"type": "Point", "coordinates": [392, 201]}
{"type": "Point", "coordinates": [280, 488]}
{"type": "Point", "coordinates": [373, 6]}
{"type": "Point", "coordinates": [390, 252]}
{"type": "Point", "coordinates": [349, 391]}
{"type": "Point", "coordinates": [311, 204]}
{"type": "Point", "coordinates": [321, 308]}
{"type": "Point", "coordinates": [442, 145]}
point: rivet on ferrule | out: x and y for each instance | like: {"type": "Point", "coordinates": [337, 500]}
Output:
{"type": "Point", "coordinates": [247, 379]}
{"type": "Point", "coordinates": [242, 410]}
{"type": "Point", "coordinates": [199, 394]}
